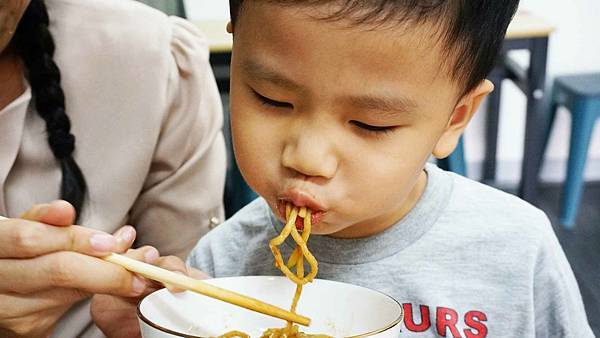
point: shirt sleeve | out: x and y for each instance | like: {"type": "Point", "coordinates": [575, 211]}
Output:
{"type": "Point", "coordinates": [559, 310]}
{"type": "Point", "coordinates": [183, 190]}
{"type": "Point", "coordinates": [201, 256]}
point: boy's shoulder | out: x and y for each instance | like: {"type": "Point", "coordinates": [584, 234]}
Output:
{"type": "Point", "coordinates": [483, 209]}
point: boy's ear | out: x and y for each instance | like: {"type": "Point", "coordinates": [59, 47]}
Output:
{"type": "Point", "coordinates": [229, 27]}
{"type": "Point", "coordinates": [462, 114]}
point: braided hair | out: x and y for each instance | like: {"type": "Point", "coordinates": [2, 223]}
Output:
{"type": "Point", "coordinates": [34, 44]}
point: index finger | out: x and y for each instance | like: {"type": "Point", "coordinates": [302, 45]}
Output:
{"type": "Point", "coordinates": [24, 239]}
{"type": "Point", "coordinates": [68, 270]}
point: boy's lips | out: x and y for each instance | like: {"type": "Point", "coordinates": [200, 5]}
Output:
{"type": "Point", "coordinates": [300, 199]}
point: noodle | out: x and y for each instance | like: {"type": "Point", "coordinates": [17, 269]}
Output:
{"type": "Point", "coordinates": [301, 249]}
{"type": "Point", "coordinates": [296, 260]}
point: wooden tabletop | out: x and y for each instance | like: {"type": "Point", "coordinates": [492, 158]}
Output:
{"type": "Point", "coordinates": [524, 25]}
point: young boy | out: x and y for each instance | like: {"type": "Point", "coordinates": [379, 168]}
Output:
{"type": "Point", "coordinates": [337, 105]}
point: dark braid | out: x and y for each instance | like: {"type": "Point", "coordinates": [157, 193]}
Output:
{"type": "Point", "coordinates": [35, 46]}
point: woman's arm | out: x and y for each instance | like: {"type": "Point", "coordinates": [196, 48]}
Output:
{"type": "Point", "coordinates": [184, 187]}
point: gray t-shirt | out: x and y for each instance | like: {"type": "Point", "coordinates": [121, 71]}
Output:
{"type": "Point", "coordinates": [467, 261]}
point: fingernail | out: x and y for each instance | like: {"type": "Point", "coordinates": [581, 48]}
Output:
{"type": "Point", "coordinates": [151, 255]}
{"type": "Point", "coordinates": [59, 203]}
{"type": "Point", "coordinates": [42, 210]}
{"type": "Point", "coordinates": [103, 242]}
{"type": "Point", "coordinates": [126, 234]}
{"type": "Point", "coordinates": [138, 285]}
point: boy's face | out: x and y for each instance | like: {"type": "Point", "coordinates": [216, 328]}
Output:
{"type": "Point", "coordinates": [340, 118]}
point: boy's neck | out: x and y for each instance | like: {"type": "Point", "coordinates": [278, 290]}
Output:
{"type": "Point", "coordinates": [408, 204]}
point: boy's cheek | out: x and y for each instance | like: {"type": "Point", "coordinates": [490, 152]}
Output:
{"type": "Point", "coordinates": [254, 171]}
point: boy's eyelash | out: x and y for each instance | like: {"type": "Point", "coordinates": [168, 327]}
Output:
{"type": "Point", "coordinates": [270, 102]}
{"type": "Point", "coordinates": [373, 129]}
{"type": "Point", "coordinates": [378, 130]}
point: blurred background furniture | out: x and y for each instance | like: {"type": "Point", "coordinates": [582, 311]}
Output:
{"type": "Point", "coordinates": [526, 32]}
{"type": "Point", "coordinates": [580, 94]}
{"type": "Point", "coordinates": [170, 7]}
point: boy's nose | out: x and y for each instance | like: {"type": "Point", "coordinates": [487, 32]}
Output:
{"type": "Point", "coordinates": [311, 156]}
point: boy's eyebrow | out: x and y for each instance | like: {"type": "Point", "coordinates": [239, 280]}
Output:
{"type": "Point", "coordinates": [391, 106]}
{"type": "Point", "coordinates": [387, 105]}
{"type": "Point", "coordinates": [263, 72]}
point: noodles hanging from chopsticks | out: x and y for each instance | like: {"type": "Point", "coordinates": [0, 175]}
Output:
{"type": "Point", "coordinates": [301, 251]}
{"type": "Point", "coordinates": [295, 261]}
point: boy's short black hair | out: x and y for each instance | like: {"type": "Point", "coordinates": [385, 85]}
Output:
{"type": "Point", "coordinates": [471, 31]}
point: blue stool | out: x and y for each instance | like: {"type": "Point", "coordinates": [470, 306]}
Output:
{"type": "Point", "coordinates": [581, 95]}
{"type": "Point", "coordinates": [456, 161]}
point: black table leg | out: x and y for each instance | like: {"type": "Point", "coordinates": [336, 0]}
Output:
{"type": "Point", "coordinates": [492, 124]}
{"type": "Point", "coordinates": [533, 128]}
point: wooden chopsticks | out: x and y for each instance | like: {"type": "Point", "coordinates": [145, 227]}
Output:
{"type": "Point", "coordinates": [187, 283]}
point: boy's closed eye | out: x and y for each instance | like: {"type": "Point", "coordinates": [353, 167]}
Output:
{"type": "Point", "coordinates": [270, 102]}
{"type": "Point", "coordinates": [372, 128]}
{"type": "Point", "coordinates": [363, 126]}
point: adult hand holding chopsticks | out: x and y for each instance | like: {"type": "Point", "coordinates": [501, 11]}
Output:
{"type": "Point", "coordinates": [47, 264]}
{"type": "Point", "coordinates": [116, 316]}
{"type": "Point", "coordinates": [51, 267]}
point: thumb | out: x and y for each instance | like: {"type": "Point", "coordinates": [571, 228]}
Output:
{"type": "Point", "coordinates": [59, 213]}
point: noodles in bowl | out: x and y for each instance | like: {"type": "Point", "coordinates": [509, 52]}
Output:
{"type": "Point", "coordinates": [350, 310]}
{"type": "Point", "coordinates": [356, 312]}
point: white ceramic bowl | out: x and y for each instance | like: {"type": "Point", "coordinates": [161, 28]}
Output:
{"type": "Point", "coordinates": [336, 309]}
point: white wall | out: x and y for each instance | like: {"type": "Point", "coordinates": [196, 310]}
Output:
{"type": "Point", "coordinates": [207, 9]}
{"type": "Point", "coordinates": [574, 47]}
